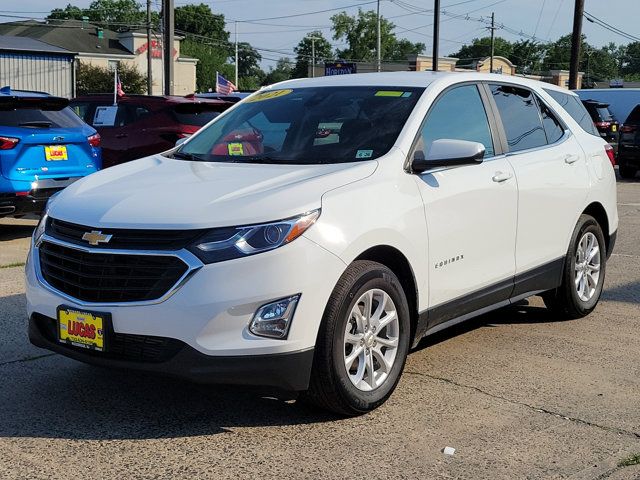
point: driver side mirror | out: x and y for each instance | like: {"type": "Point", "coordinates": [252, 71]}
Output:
{"type": "Point", "coordinates": [448, 153]}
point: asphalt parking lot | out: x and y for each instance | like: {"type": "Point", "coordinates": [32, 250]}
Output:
{"type": "Point", "coordinates": [517, 393]}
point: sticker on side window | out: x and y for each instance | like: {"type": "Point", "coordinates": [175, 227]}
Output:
{"type": "Point", "coordinates": [392, 93]}
{"type": "Point", "coordinates": [259, 97]}
{"type": "Point", "coordinates": [364, 153]}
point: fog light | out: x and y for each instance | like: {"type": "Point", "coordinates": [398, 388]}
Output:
{"type": "Point", "coordinates": [274, 319]}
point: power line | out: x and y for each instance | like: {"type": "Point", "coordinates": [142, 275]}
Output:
{"type": "Point", "coordinates": [535, 30]}
{"type": "Point", "coordinates": [611, 28]}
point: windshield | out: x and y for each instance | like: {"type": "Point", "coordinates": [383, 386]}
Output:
{"type": "Point", "coordinates": [306, 125]}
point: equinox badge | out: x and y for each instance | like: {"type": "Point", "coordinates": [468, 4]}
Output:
{"type": "Point", "coordinates": [95, 237]}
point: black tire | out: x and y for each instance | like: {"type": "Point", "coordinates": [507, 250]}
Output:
{"type": "Point", "coordinates": [627, 171]}
{"type": "Point", "coordinates": [564, 300]}
{"type": "Point", "coordinates": [330, 387]}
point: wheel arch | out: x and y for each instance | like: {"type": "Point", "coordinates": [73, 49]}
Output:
{"type": "Point", "coordinates": [398, 263]}
{"type": "Point", "coordinates": [597, 211]}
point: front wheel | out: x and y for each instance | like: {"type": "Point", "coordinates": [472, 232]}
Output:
{"type": "Point", "coordinates": [583, 274]}
{"type": "Point", "coordinates": [363, 341]}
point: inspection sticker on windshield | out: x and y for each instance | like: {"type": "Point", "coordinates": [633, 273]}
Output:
{"type": "Point", "coordinates": [235, 149]}
{"type": "Point", "coordinates": [259, 97]}
{"type": "Point", "coordinates": [392, 93]}
{"type": "Point", "coordinates": [364, 153]}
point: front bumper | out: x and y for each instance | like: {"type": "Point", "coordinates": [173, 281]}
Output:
{"type": "Point", "coordinates": [209, 314]}
{"type": "Point", "coordinates": [287, 371]}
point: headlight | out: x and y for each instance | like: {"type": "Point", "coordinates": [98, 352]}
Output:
{"type": "Point", "coordinates": [42, 225]}
{"type": "Point", "coordinates": [222, 244]}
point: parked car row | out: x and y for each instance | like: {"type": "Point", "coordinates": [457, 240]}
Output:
{"type": "Point", "coordinates": [616, 114]}
{"type": "Point", "coordinates": [141, 125]}
{"type": "Point", "coordinates": [47, 142]}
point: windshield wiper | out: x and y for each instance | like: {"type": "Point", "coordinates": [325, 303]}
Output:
{"type": "Point", "coordinates": [36, 124]}
{"type": "Point", "coordinates": [186, 156]}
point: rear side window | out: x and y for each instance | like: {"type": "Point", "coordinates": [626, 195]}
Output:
{"type": "Point", "coordinates": [575, 108]}
{"type": "Point", "coordinates": [36, 118]}
{"type": "Point", "coordinates": [520, 117]}
{"type": "Point", "coordinates": [459, 114]}
{"type": "Point", "coordinates": [552, 127]}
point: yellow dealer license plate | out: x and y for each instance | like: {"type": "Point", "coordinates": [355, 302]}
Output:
{"type": "Point", "coordinates": [82, 329]}
{"type": "Point", "coordinates": [54, 153]}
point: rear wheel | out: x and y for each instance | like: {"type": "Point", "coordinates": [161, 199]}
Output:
{"type": "Point", "coordinates": [627, 171]}
{"type": "Point", "coordinates": [583, 274]}
{"type": "Point", "coordinates": [363, 341]}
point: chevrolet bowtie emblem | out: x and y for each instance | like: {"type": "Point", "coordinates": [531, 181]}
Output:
{"type": "Point", "coordinates": [95, 237]}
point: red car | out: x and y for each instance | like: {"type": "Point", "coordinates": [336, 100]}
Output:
{"type": "Point", "coordinates": [142, 125]}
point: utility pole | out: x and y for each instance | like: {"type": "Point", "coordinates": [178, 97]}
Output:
{"type": "Point", "coordinates": [167, 15]}
{"type": "Point", "coordinates": [236, 35]}
{"type": "Point", "coordinates": [313, 57]}
{"type": "Point", "coordinates": [378, 52]}
{"type": "Point", "coordinates": [576, 40]}
{"type": "Point", "coordinates": [493, 40]}
{"type": "Point", "coordinates": [436, 34]}
{"type": "Point", "coordinates": [149, 56]}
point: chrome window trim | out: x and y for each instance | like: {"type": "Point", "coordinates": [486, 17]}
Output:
{"type": "Point", "coordinates": [192, 262]}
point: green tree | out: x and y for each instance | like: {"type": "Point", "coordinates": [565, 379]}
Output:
{"type": "Point", "coordinates": [527, 55]}
{"type": "Point", "coordinates": [111, 14]}
{"type": "Point", "coordinates": [630, 65]}
{"type": "Point", "coordinates": [250, 75]}
{"type": "Point", "coordinates": [280, 73]}
{"type": "Point", "coordinates": [304, 53]}
{"type": "Point", "coordinates": [481, 48]}
{"type": "Point", "coordinates": [93, 79]}
{"type": "Point", "coordinates": [205, 39]}
{"type": "Point", "coordinates": [360, 33]}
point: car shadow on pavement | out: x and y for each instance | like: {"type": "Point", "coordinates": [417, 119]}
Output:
{"type": "Point", "coordinates": [519, 313]}
{"type": "Point", "coordinates": [14, 232]}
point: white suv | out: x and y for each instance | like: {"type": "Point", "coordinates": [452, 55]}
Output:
{"type": "Point", "coordinates": [308, 237]}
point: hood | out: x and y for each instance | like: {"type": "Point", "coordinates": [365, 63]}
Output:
{"type": "Point", "coordinates": [163, 193]}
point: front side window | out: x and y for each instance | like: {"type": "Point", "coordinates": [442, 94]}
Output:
{"type": "Point", "coordinates": [520, 117]}
{"type": "Point", "coordinates": [459, 114]}
{"type": "Point", "coordinates": [574, 107]}
{"type": "Point", "coordinates": [307, 126]}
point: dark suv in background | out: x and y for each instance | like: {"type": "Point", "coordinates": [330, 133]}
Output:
{"type": "Point", "coordinates": [142, 125]}
{"type": "Point", "coordinates": [608, 126]}
{"type": "Point", "coordinates": [629, 147]}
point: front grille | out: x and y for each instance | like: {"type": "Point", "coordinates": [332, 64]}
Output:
{"type": "Point", "coordinates": [121, 346]}
{"type": "Point", "coordinates": [124, 238]}
{"type": "Point", "coordinates": [107, 278]}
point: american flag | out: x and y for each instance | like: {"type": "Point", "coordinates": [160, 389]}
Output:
{"type": "Point", "coordinates": [224, 86]}
{"type": "Point", "coordinates": [119, 90]}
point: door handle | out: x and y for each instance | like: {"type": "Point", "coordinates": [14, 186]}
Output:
{"type": "Point", "coordinates": [500, 177]}
{"type": "Point", "coordinates": [122, 135]}
{"type": "Point", "coordinates": [569, 159]}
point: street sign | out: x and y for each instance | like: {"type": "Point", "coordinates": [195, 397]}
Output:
{"type": "Point", "coordinates": [339, 68]}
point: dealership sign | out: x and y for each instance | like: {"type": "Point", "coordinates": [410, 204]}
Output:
{"type": "Point", "coordinates": [339, 68]}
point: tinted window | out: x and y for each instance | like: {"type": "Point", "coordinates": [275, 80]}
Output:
{"type": "Point", "coordinates": [604, 114]}
{"type": "Point", "coordinates": [458, 115]}
{"type": "Point", "coordinates": [36, 118]}
{"type": "Point", "coordinates": [195, 114]}
{"type": "Point", "coordinates": [574, 107]}
{"type": "Point", "coordinates": [520, 117]}
{"type": "Point", "coordinates": [307, 125]}
{"type": "Point", "coordinates": [552, 127]}
{"type": "Point", "coordinates": [634, 116]}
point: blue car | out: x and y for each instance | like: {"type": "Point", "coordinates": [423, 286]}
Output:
{"type": "Point", "coordinates": [44, 147]}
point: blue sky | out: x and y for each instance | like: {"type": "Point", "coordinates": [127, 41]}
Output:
{"type": "Point", "coordinates": [546, 19]}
